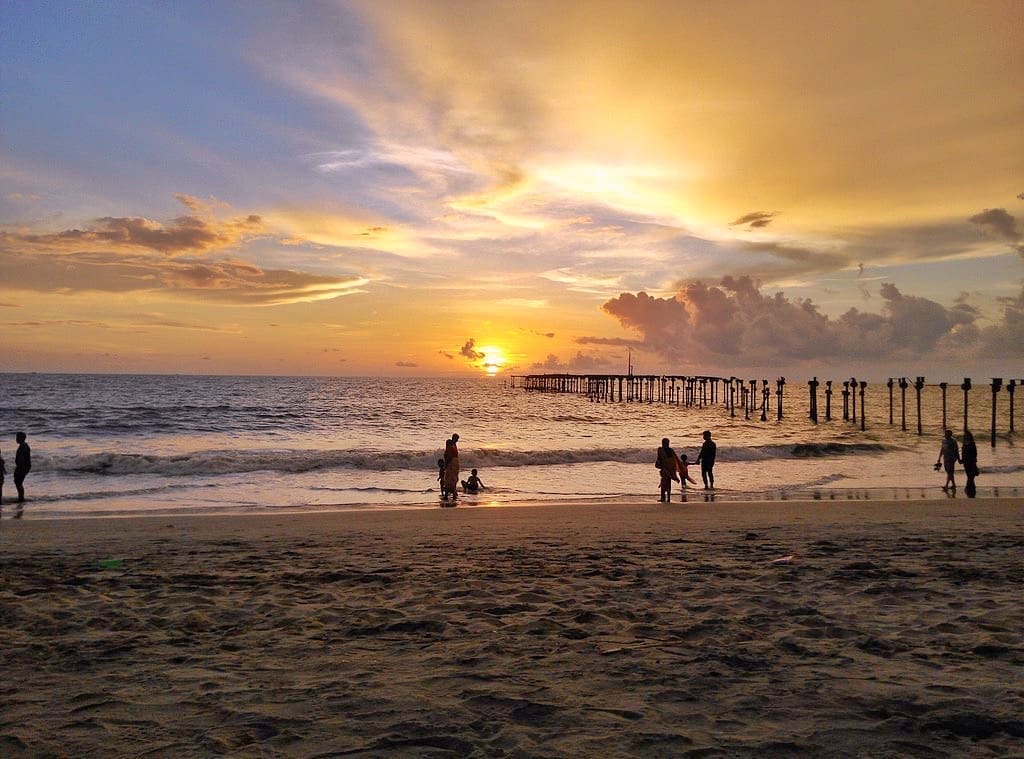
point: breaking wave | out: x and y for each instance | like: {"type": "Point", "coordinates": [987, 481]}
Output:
{"type": "Point", "coordinates": [237, 461]}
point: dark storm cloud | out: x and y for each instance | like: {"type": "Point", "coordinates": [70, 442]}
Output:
{"type": "Point", "coordinates": [622, 341]}
{"type": "Point", "coordinates": [755, 219]}
{"type": "Point", "coordinates": [735, 320]}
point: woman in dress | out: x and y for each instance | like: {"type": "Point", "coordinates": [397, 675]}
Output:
{"type": "Point", "coordinates": [451, 465]}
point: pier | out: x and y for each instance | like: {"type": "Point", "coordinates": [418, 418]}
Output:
{"type": "Point", "coordinates": [753, 397]}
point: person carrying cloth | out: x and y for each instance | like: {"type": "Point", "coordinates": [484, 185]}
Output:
{"type": "Point", "coordinates": [666, 462]}
{"type": "Point", "coordinates": [451, 465]}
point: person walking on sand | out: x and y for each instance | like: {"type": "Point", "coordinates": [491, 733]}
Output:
{"type": "Point", "coordinates": [666, 462]}
{"type": "Point", "coordinates": [949, 457]}
{"type": "Point", "coordinates": [706, 459]}
{"type": "Point", "coordinates": [969, 455]}
{"type": "Point", "coordinates": [451, 465]}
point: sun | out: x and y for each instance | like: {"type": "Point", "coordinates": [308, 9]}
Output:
{"type": "Point", "coordinates": [493, 360]}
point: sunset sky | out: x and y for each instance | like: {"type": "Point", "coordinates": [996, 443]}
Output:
{"type": "Point", "coordinates": [429, 188]}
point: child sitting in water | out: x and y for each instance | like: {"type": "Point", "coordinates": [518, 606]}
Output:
{"type": "Point", "coordinates": [473, 484]}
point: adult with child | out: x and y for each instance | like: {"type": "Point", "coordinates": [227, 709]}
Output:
{"type": "Point", "coordinates": [706, 459]}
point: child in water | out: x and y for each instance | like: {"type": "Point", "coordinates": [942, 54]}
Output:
{"type": "Point", "coordinates": [473, 484]}
{"type": "Point", "coordinates": [440, 478]}
{"type": "Point", "coordinates": [684, 472]}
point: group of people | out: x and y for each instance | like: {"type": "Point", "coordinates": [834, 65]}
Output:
{"type": "Point", "coordinates": [448, 473]}
{"type": "Point", "coordinates": [950, 455]}
{"type": "Point", "coordinates": [22, 466]}
{"type": "Point", "coordinates": [675, 468]}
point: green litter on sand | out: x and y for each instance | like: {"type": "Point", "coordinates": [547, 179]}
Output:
{"type": "Point", "coordinates": [111, 563]}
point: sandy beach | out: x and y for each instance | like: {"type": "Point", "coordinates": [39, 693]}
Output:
{"type": "Point", "coordinates": [697, 629]}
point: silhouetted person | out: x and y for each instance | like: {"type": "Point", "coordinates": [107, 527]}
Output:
{"type": "Point", "coordinates": [665, 461]}
{"type": "Point", "coordinates": [949, 456]}
{"type": "Point", "coordinates": [22, 466]}
{"type": "Point", "coordinates": [451, 465]}
{"type": "Point", "coordinates": [440, 478]}
{"type": "Point", "coordinates": [3, 474]}
{"type": "Point", "coordinates": [474, 484]}
{"type": "Point", "coordinates": [969, 455]}
{"type": "Point", "coordinates": [706, 459]}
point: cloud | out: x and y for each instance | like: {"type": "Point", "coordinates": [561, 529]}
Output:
{"type": "Point", "coordinates": [625, 342]}
{"type": "Point", "coordinates": [406, 364]}
{"type": "Point", "coordinates": [184, 258]}
{"type": "Point", "coordinates": [184, 234]}
{"type": "Point", "coordinates": [469, 351]}
{"type": "Point", "coordinates": [735, 321]}
{"type": "Point", "coordinates": [755, 219]}
{"type": "Point", "coordinates": [447, 355]}
{"type": "Point", "coordinates": [581, 362]}
{"type": "Point", "coordinates": [1002, 224]}
{"type": "Point", "coordinates": [229, 281]}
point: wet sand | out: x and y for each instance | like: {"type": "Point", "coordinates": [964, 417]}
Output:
{"type": "Point", "coordinates": [894, 628]}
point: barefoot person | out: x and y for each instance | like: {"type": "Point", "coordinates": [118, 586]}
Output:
{"type": "Point", "coordinates": [451, 466]}
{"type": "Point", "coordinates": [22, 466]}
{"type": "Point", "coordinates": [666, 462]}
{"type": "Point", "coordinates": [949, 457]}
{"type": "Point", "coordinates": [969, 455]}
{"type": "Point", "coordinates": [3, 473]}
{"type": "Point", "coordinates": [706, 459]}
{"type": "Point", "coordinates": [474, 484]}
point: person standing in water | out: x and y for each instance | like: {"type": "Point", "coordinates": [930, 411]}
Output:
{"type": "Point", "coordinates": [949, 457]}
{"type": "Point", "coordinates": [451, 465]}
{"type": "Point", "coordinates": [3, 474]}
{"type": "Point", "coordinates": [706, 459]}
{"type": "Point", "coordinates": [22, 466]}
{"type": "Point", "coordinates": [665, 461]}
{"type": "Point", "coordinates": [969, 455]}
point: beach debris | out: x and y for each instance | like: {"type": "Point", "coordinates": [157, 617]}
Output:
{"type": "Point", "coordinates": [111, 563]}
{"type": "Point", "coordinates": [782, 560]}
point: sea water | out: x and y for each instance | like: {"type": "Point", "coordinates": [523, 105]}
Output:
{"type": "Point", "coordinates": [108, 445]}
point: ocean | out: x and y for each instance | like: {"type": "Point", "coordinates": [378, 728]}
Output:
{"type": "Point", "coordinates": [112, 445]}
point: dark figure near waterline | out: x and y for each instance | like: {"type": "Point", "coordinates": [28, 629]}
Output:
{"type": "Point", "coordinates": [3, 474]}
{"type": "Point", "coordinates": [949, 456]}
{"type": "Point", "coordinates": [22, 466]}
{"type": "Point", "coordinates": [706, 459]}
{"type": "Point", "coordinates": [969, 455]}
{"type": "Point", "coordinates": [665, 462]}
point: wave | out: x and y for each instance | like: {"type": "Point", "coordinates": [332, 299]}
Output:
{"type": "Point", "coordinates": [240, 461]}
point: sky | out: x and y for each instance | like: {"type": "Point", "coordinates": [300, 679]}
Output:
{"type": "Point", "coordinates": [434, 188]}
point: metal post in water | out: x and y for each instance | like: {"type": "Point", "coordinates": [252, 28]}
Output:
{"type": "Point", "coordinates": [828, 400]}
{"type": "Point", "coordinates": [863, 387]}
{"type": "Point", "coordinates": [846, 400]}
{"type": "Point", "coordinates": [997, 383]}
{"type": "Point", "coordinates": [781, 382]}
{"type": "Point", "coordinates": [890, 384]}
{"type": "Point", "coordinates": [918, 385]}
{"type": "Point", "coordinates": [944, 385]}
{"type": "Point", "coordinates": [813, 385]}
{"type": "Point", "coordinates": [1010, 387]}
{"type": "Point", "coordinates": [853, 398]}
{"type": "Point", "coordinates": [966, 387]}
{"type": "Point", "coordinates": [903, 403]}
